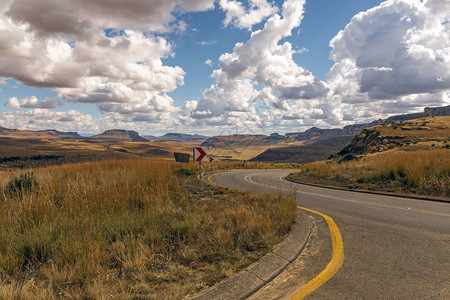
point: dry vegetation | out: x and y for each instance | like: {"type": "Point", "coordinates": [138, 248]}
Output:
{"type": "Point", "coordinates": [128, 229]}
{"type": "Point", "coordinates": [424, 172]}
{"type": "Point", "coordinates": [26, 153]}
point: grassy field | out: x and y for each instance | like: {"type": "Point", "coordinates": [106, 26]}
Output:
{"type": "Point", "coordinates": [127, 229]}
{"type": "Point", "coordinates": [25, 153]}
{"type": "Point", "coordinates": [425, 172]}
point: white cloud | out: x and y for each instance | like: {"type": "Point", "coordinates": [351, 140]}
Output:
{"type": "Point", "coordinates": [38, 119]}
{"type": "Point", "coordinates": [260, 71]}
{"type": "Point", "coordinates": [207, 43]}
{"type": "Point", "coordinates": [208, 62]}
{"type": "Point", "coordinates": [67, 16]}
{"type": "Point", "coordinates": [396, 49]}
{"type": "Point", "coordinates": [63, 45]}
{"type": "Point", "coordinates": [242, 17]}
{"type": "Point", "coordinates": [32, 102]}
{"type": "Point", "coordinates": [270, 63]}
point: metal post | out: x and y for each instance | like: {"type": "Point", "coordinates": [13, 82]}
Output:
{"type": "Point", "coordinates": [200, 167]}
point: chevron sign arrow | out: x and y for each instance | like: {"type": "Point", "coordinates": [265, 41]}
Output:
{"type": "Point", "coordinates": [199, 154]}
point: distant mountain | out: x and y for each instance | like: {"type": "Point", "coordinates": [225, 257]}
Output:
{"type": "Point", "coordinates": [302, 154]}
{"type": "Point", "coordinates": [242, 140]}
{"type": "Point", "coordinates": [39, 135]}
{"type": "Point", "coordinates": [178, 137]}
{"type": "Point", "coordinates": [118, 135]}
{"type": "Point", "coordinates": [314, 134]}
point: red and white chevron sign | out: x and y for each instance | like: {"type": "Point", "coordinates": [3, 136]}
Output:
{"type": "Point", "coordinates": [199, 154]}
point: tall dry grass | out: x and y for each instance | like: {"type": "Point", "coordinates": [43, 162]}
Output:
{"type": "Point", "coordinates": [129, 229]}
{"type": "Point", "coordinates": [421, 172]}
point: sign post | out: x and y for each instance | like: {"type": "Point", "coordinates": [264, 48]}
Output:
{"type": "Point", "coordinates": [199, 155]}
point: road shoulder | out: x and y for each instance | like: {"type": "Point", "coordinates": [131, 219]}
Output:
{"type": "Point", "coordinates": [411, 196]}
{"type": "Point", "coordinates": [251, 279]}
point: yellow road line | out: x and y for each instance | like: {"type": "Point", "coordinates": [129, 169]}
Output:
{"type": "Point", "coordinates": [209, 179]}
{"type": "Point", "coordinates": [337, 259]}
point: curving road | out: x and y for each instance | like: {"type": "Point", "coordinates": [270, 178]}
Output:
{"type": "Point", "coordinates": [394, 248]}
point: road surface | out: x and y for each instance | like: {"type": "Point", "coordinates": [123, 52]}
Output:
{"type": "Point", "coordinates": [394, 248]}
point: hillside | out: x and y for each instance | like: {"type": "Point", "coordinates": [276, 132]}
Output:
{"type": "Point", "coordinates": [304, 153]}
{"type": "Point", "coordinates": [119, 135]}
{"type": "Point", "coordinates": [41, 134]}
{"type": "Point", "coordinates": [25, 153]}
{"type": "Point", "coordinates": [242, 140]}
{"type": "Point", "coordinates": [178, 137]}
{"type": "Point", "coordinates": [419, 134]}
{"type": "Point", "coordinates": [313, 135]}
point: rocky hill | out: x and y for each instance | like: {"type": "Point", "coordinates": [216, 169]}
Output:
{"type": "Point", "coordinates": [39, 135]}
{"type": "Point", "coordinates": [119, 135]}
{"type": "Point", "coordinates": [419, 134]}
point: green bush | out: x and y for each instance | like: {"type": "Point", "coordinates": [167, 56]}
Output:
{"type": "Point", "coordinates": [17, 186]}
{"type": "Point", "coordinates": [183, 171]}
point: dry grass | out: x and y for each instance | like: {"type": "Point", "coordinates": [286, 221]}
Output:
{"type": "Point", "coordinates": [420, 172]}
{"type": "Point", "coordinates": [129, 229]}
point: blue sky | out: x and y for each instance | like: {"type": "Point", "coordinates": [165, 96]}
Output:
{"type": "Point", "coordinates": [212, 67]}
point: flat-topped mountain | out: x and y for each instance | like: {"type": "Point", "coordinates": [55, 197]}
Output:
{"type": "Point", "coordinates": [39, 135]}
{"type": "Point", "coordinates": [119, 135]}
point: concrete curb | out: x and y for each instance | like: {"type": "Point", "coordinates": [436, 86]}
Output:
{"type": "Point", "coordinates": [418, 197]}
{"type": "Point", "coordinates": [243, 284]}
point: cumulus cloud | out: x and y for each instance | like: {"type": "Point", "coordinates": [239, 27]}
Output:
{"type": "Point", "coordinates": [95, 51]}
{"type": "Point", "coordinates": [396, 49]}
{"type": "Point", "coordinates": [67, 16]}
{"type": "Point", "coordinates": [270, 63]}
{"type": "Point", "coordinates": [32, 102]}
{"type": "Point", "coordinates": [260, 61]}
{"type": "Point", "coordinates": [245, 17]}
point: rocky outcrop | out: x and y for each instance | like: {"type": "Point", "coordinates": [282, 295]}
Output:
{"type": "Point", "coordinates": [361, 142]}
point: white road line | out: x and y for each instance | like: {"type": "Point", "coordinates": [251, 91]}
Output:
{"type": "Point", "coordinates": [249, 179]}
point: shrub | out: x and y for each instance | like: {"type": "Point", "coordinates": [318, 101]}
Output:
{"type": "Point", "coordinates": [184, 171]}
{"type": "Point", "coordinates": [17, 186]}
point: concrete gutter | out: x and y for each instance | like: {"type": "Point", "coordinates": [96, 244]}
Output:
{"type": "Point", "coordinates": [243, 284]}
{"type": "Point", "coordinates": [412, 196]}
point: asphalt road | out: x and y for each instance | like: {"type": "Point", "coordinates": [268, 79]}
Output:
{"type": "Point", "coordinates": [394, 248]}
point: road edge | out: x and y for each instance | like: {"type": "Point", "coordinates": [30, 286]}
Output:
{"type": "Point", "coordinates": [411, 196]}
{"type": "Point", "coordinates": [246, 282]}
